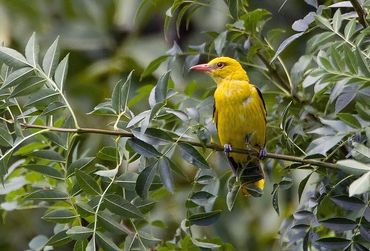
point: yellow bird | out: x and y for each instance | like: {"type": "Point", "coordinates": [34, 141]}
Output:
{"type": "Point", "coordinates": [240, 118]}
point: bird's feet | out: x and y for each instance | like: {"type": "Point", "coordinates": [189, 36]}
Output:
{"type": "Point", "coordinates": [262, 153]}
{"type": "Point", "coordinates": [227, 149]}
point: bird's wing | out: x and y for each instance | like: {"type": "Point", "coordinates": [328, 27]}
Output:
{"type": "Point", "coordinates": [215, 114]}
{"type": "Point", "coordinates": [262, 101]}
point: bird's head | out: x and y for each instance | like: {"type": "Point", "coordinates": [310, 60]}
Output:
{"type": "Point", "coordinates": [222, 68]}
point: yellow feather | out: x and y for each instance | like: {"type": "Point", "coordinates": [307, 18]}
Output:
{"type": "Point", "coordinates": [240, 115]}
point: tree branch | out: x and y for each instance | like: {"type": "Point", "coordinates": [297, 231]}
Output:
{"type": "Point", "coordinates": [360, 12]}
{"type": "Point", "coordinates": [209, 146]}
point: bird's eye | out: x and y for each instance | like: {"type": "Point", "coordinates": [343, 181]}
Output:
{"type": "Point", "coordinates": [220, 65]}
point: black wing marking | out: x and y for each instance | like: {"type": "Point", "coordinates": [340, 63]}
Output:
{"type": "Point", "coordinates": [260, 94]}
{"type": "Point", "coordinates": [215, 113]}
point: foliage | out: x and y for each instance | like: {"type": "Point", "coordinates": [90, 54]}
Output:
{"type": "Point", "coordinates": [108, 198]}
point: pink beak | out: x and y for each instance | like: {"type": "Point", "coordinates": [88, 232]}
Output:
{"type": "Point", "coordinates": [201, 67]}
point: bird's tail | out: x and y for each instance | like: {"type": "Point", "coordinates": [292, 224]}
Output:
{"type": "Point", "coordinates": [250, 175]}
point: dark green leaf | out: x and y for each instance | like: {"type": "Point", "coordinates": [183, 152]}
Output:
{"type": "Point", "coordinates": [120, 94]}
{"type": "Point", "coordinates": [302, 185]}
{"type": "Point", "coordinates": [108, 153]}
{"type": "Point", "coordinates": [332, 243]}
{"type": "Point", "coordinates": [191, 155]}
{"type": "Point", "coordinates": [349, 203]}
{"type": "Point", "coordinates": [32, 50]}
{"type": "Point", "coordinates": [12, 57]}
{"type": "Point", "coordinates": [79, 232]}
{"type": "Point", "coordinates": [339, 224]}
{"type": "Point", "coordinates": [153, 136]}
{"type": "Point", "coordinates": [5, 137]}
{"type": "Point", "coordinates": [145, 180]}
{"type": "Point", "coordinates": [205, 219]}
{"type": "Point", "coordinates": [202, 198]}
{"type": "Point", "coordinates": [122, 207]}
{"type": "Point", "coordinates": [61, 72]}
{"type": "Point", "coordinates": [365, 232]}
{"type": "Point", "coordinates": [220, 42]}
{"type": "Point", "coordinates": [106, 243]}
{"type": "Point", "coordinates": [232, 193]}
{"type": "Point", "coordinates": [49, 155]}
{"type": "Point", "coordinates": [284, 44]}
{"type": "Point", "coordinates": [323, 21]}
{"type": "Point", "coordinates": [112, 225]}
{"type": "Point", "coordinates": [337, 20]}
{"type": "Point", "coordinates": [275, 198]}
{"type": "Point", "coordinates": [59, 239]}
{"type": "Point", "coordinates": [27, 87]}
{"type": "Point", "coordinates": [46, 170]}
{"type": "Point", "coordinates": [350, 29]}
{"type": "Point", "coordinates": [362, 64]}
{"type": "Point", "coordinates": [164, 165]}
{"type": "Point", "coordinates": [81, 245]}
{"type": "Point", "coordinates": [59, 216]}
{"type": "Point", "coordinates": [87, 183]}
{"type": "Point", "coordinates": [51, 57]}
{"type": "Point", "coordinates": [81, 163]}
{"type": "Point", "coordinates": [143, 148]}
{"type": "Point", "coordinates": [42, 97]}
{"type": "Point", "coordinates": [160, 92]}
{"type": "Point", "coordinates": [153, 66]}
{"type": "Point", "coordinates": [17, 77]}
{"type": "Point", "coordinates": [47, 195]}
{"type": "Point", "coordinates": [53, 108]}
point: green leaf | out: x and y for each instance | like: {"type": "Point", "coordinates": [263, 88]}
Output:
{"type": "Point", "coordinates": [49, 155]}
{"type": "Point", "coordinates": [29, 148]}
{"type": "Point", "coordinates": [24, 88]}
{"type": "Point", "coordinates": [361, 185]}
{"type": "Point", "coordinates": [87, 183]}
{"type": "Point", "coordinates": [361, 153]}
{"type": "Point", "coordinates": [344, 100]}
{"type": "Point", "coordinates": [12, 58]}
{"type": "Point", "coordinates": [32, 51]}
{"type": "Point", "coordinates": [45, 170]}
{"type": "Point", "coordinates": [349, 119]}
{"type": "Point", "coordinates": [6, 139]}
{"type": "Point", "coordinates": [106, 243]}
{"type": "Point", "coordinates": [83, 245]}
{"type": "Point", "coordinates": [38, 242]}
{"type": "Point", "coordinates": [232, 194]}
{"type": "Point", "coordinates": [143, 148]}
{"type": "Point", "coordinates": [302, 185]}
{"type": "Point", "coordinates": [61, 73]}
{"type": "Point", "coordinates": [42, 97]}
{"type": "Point", "coordinates": [191, 155]}
{"type": "Point", "coordinates": [337, 20]}
{"type": "Point", "coordinates": [153, 136]}
{"type": "Point", "coordinates": [164, 165]}
{"type": "Point", "coordinates": [112, 225]}
{"type": "Point", "coordinates": [202, 198]}
{"type": "Point", "coordinates": [323, 21]}
{"type": "Point", "coordinates": [275, 198]}
{"type": "Point", "coordinates": [51, 57]}
{"type": "Point", "coordinates": [120, 94]}
{"type": "Point", "coordinates": [17, 77]}
{"type": "Point", "coordinates": [284, 44]}
{"type": "Point", "coordinates": [79, 232]}
{"type": "Point", "coordinates": [205, 219]}
{"type": "Point", "coordinates": [47, 195]}
{"type": "Point", "coordinates": [153, 66]}
{"type": "Point", "coordinates": [53, 108]}
{"type": "Point", "coordinates": [339, 224]}
{"type": "Point", "coordinates": [333, 243]}
{"type": "Point", "coordinates": [81, 163]}
{"type": "Point", "coordinates": [59, 239]}
{"type": "Point", "coordinates": [362, 64]}
{"type": "Point", "coordinates": [122, 207]}
{"type": "Point", "coordinates": [145, 180]}
{"type": "Point", "coordinates": [349, 203]}
{"type": "Point", "coordinates": [59, 216]}
{"type": "Point", "coordinates": [353, 166]}
{"type": "Point", "coordinates": [108, 153]}
{"type": "Point", "coordinates": [220, 42]}
{"type": "Point", "coordinates": [350, 29]}
{"type": "Point", "coordinates": [160, 90]}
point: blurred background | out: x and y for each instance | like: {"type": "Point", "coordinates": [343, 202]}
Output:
{"type": "Point", "coordinates": [106, 40]}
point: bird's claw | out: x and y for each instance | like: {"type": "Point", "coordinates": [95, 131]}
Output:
{"type": "Point", "coordinates": [227, 148]}
{"type": "Point", "coordinates": [262, 153]}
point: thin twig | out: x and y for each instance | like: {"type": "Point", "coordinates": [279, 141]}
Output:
{"type": "Point", "coordinates": [360, 12]}
{"type": "Point", "coordinates": [213, 146]}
